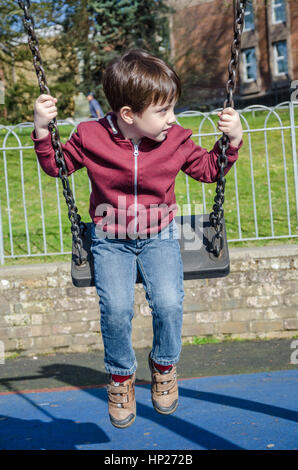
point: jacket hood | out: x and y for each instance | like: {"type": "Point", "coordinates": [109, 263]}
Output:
{"type": "Point", "coordinates": [109, 122]}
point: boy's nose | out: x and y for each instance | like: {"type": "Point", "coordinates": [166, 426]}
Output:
{"type": "Point", "coordinates": [171, 118]}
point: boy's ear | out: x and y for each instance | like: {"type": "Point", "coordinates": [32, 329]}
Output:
{"type": "Point", "coordinates": [126, 114]}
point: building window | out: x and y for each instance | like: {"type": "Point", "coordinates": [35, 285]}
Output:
{"type": "Point", "coordinates": [250, 65]}
{"type": "Point", "coordinates": [280, 57]}
{"type": "Point", "coordinates": [249, 17]}
{"type": "Point", "coordinates": [278, 11]}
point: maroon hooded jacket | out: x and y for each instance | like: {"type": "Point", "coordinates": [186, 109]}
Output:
{"type": "Point", "coordinates": [132, 184]}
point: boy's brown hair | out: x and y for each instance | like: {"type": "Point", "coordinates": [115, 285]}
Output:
{"type": "Point", "coordinates": [139, 79]}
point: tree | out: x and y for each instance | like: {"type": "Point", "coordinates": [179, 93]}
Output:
{"type": "Point", "coordinates": [10, 56]}
{"type": "Point", "coordinates": [58, 51]}
{"type": "Point", "coordinates": [88, 34]}
{"type": "Point", "coordinates": [118, 25]}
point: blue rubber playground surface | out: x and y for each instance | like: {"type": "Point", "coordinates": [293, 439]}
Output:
{"type": "Point", "coordinates": [257, 411]}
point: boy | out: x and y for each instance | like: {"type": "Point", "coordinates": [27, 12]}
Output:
{"type": "Point", "coordinates": [132, 158]}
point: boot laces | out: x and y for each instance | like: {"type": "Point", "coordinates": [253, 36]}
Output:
{"type": "Point", "coordinates": [116, 384]}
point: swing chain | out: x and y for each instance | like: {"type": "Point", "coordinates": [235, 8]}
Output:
{"type": "Point", "coordinates": [77, 226]}
{"type": "Point", "coordinates": [216, 217]}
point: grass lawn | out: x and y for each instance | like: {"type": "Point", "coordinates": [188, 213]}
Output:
{"type": "Point", "coordinates": [242, 223]}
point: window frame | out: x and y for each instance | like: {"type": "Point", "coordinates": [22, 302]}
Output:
{"type": "Point", "coordinates": [245, 64]}
{"type": "Point", "coordinates": [276, 72]}
{"type": "Point", "coordinates": [274, 7]}
{"type": "Point", "coordinates": [246, 13]}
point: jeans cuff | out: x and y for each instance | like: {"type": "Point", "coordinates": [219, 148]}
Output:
{"type": "Point", "coordinates": [114, 370]}
{"type": "Point", "coordinates": [165, 362]}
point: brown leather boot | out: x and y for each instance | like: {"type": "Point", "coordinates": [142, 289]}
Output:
{"type": "Point", "coordinates": [164, 389]}
{"type": "Point", "coordinates": [122, 402]}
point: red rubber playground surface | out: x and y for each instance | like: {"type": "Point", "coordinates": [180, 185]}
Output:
{"type": "Point", "coordinates": [256, 411]}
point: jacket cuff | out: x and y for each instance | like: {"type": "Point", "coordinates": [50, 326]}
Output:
{"type": "Point", "coordinates": [42, 145]}
{"type": "Point", "coordinates": [232, 151]}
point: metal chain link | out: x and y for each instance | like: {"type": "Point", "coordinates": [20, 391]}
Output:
{"type": "Point", "coordinates": [216, 217]}
{"type": "Point", "coordinates": [77, 226]}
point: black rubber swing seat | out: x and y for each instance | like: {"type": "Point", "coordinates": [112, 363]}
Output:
{"type": "Point", "coordinates": [195, 241]}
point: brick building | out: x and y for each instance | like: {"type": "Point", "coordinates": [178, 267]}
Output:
{"type": "Point", "coordinates": [201, 37]}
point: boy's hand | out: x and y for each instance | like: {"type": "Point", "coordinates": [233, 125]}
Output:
{"type": "Point", "coordinates": [229, 123]}
{"type": "Point", "coordinates": [44, 111]}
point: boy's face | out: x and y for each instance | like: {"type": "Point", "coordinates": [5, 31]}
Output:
{"type": "Point", "coordinates": [155, 121]}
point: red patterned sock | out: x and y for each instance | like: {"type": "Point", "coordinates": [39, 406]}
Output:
{"type": "Point", "coordinates": [120, 378]}
{"type": "Point", "coordinates": [162, 368]}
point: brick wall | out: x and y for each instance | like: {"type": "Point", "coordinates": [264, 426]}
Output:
{"type": "Point", "coordinates": [293, 14]}
{"type": "Point", "coordinates": [201, 37]}
{"type": "Point", "coordinates": [202, 33]}
{"type": "Point", "coordinates": [41, 312]}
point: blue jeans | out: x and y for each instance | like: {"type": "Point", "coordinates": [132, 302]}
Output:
{"type": "Point", "coordinates": [115, 270]}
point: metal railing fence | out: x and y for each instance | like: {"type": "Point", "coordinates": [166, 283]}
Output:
{"type": "Point", "coordinates": [261, 197]}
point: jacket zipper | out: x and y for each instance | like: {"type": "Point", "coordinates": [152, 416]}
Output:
{"type": "Point", "coordinates": [136, 154]}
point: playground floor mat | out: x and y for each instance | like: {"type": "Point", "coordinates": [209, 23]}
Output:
{"type": "Point", "coordinates": [255, 411]}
